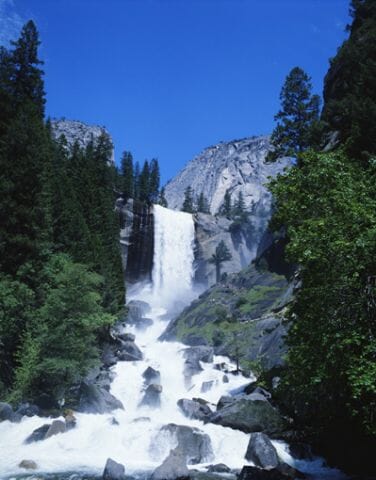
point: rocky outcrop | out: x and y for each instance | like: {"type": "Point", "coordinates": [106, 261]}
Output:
{"type": "Point", "coordinates": [261, 451]}
{"type": "Point", "coordinates": [173, 467]}
{"type": "Point", "coordinates": [113, 470]}
{"type": "Point", "coordinates": [197, 408]}
{"type": "Point", "coordinates": [82, 133]}
{"type": "Point", "coordinates": [241, 317]}
{"type": "Point", "coordinates": [136, 239]}
{"type": "Point", "coordinates": [235, 166]}
{"type": "Point", "coordinates": [96, 399]}
{"type": "Point", "coordinates": [152, 396]}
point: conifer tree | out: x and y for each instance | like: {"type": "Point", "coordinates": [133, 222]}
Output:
{"type": "Point", "coordinates": [222, 254]}
{"type": "Point", "coordinates": [127, 175]}
{"type": "Point", "coordinates": [154, 180]}
{"type": "Point", "coordinates": [188, 201]}
{"type": "Point", "coordinates": [202, 204]}
{"type": "Point", "coordinates": [136, 180]}
{"type": "Point", "coordinates": [298, 119]}
{"type": "Point", "coordinates": [162, 199]}
{"type": "Point", "coordinates": [227, 205]}
{"type": "Point", "coordinates": [144, 183]}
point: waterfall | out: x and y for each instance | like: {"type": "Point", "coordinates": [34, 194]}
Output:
{"type": "Point", "coordinates": [173, 255]}
{"type": "Point", "coordinates": [135, 436]}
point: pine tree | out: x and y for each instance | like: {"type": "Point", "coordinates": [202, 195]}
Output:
{"type": "Point", "coordinates": [136, 181]}
{"type": "Point", "coordinates": [222, 254]}
{"type": "Point", "coordinates": [188, 201]}
{"type": "Point", "coordinates": [202, 204]}
{"type": "Point", "coordinates": [127, 174]}
{"type": "Point", "coordinates": [162, 199]}
{"type": "Point", "coordinates": [154, 180]}
{"type": "Point", "coordinates": [298, 119]}
{"type": "Point", "coordinates": [227, 205]}
{"type": "Point", "coordinates": [144, 183]}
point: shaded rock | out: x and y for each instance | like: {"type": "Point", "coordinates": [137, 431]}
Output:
{"type": "Point", "coordinates": [6, 413]}
{"type": "Point", "coordinates": [108, 357]}
{"type": "Point", "coordinates": [152, 396]}
{"type": "Point", "coordinates": [195, 444]}
{"type": "Point", "coordinates": [47, 402]}
{"type": "Point", "coordinates": [28, 465]}
{"type": "Point", "coordinates": [289, 471]}
{"type": "Point", "coordinates": [126, 337]}
{"type": "Point", "coordinates": [206, 386]}
{"type": "Point", "coordinates": [57, 426]}
{"type": "Point", "coordinates": [255, 473]}
{"type": "Point", "coordinates": [200, 353]}
{"type": "Point", "coordinates": [114, 421]}
{"type": "Point", "coordinates": [301, 451]}
{"type": "Point", "coordinates": [151, 376]}
{"type": "Point", "coordinates": [224, 401]}
{"type": "Point", "coordinates": [113, 470]}
{"type": "Point", "coordinates": [173, 467]}
{"type": "Point", "coordinates": [38, 434]}
{"type": "Point", "coordinates": [95, 399]}
{"type": "Point", "coordinates": [141, 419]}
{"type": "Point", "coordinates": [219, 468]}
{"type": "Point", "coordinates": [137, 309]}
{"type": "Point", "coordinates": [194, 409]}
{"type": "Point", "coordinates": [129, 352]}
{"type": "Point", "coordinates": [225, 379]}
{"type": "Point", "coordinates": [254, 388]}
{"type": "Point", "coordinates": [249, 416]}
{"type": "Point", "coordinates": [70, 419]}
{"type": "Point", "coordinates": [27, 410]}
{"type": "Point", "coordinates": [261, 451]}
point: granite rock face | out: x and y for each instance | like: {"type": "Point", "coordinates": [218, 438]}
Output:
{"type": "Point", "coordinates": [236, 166]}
{"type": "Point", "coordinates": [76, 131]}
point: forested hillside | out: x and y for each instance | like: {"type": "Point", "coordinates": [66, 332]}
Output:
{"type": "Point", "coordinates": [61, 278]}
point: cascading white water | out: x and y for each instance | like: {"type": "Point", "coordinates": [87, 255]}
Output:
{"type": "Point", "coordinates": [135, 439]}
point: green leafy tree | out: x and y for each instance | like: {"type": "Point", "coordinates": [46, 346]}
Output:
{"type": "Point", "coordinates": [222, 254]}
{"type": "Point", "coordinates": [188, 205]}
{"type": "Point", "coordinates": [127, 175]}
{"type": "Point", "coordinates": [60, 345]}
{"type": "Point", "coordinates": [298, 120]}
{"type": "Point", "coordinates": [328, 207]}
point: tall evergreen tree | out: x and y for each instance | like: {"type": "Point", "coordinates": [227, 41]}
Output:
{"type": "Point", "coordinates": [154, 180]}
{"type": "Point", "coordinates": [202, 204]}
{"type": "Point", "coordinates": [127, 175]}
{"type": "Point", "coordinates": [136, 180]}
{"type": "Point", "coordinates": [227, 205]}
{"type": "Point", "coordinates": [222, 254]}
{"type": "Point", "coordinates": [298, 119]}
{"type": "Point", "coordinates": [188, 201]}
{"type": "Point", "coordinates": [144, 183]}
{"type": "Point", "coordinates": [162, 199]}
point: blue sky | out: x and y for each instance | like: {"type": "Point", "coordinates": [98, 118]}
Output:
{"type": "Point", "coordinates": [171, 77]}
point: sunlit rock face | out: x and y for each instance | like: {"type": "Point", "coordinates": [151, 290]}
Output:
{"type": "Point", "coordinates": [76, 131]}
{"type": "Point", "coordinates": [236, 166]}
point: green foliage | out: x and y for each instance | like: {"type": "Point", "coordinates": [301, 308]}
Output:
{"type": "Point", "coordinates": [329, 209]}
{"type": "Point", "coordinates": [221, 254]}
{"type": "Point", "coordinates": [226, 209]}
{"type": "Point", "coordinates": [298, 120]}
{"type": "Point", "coordinates": [188, 201]}
{"type": "Point", "coordinates": [127, 174]}
{"type": "Point", "coordinates": [350, 85]}
{"type": "Point", "coordinates": [60, 343]}
{"type": "Point", "coordinates": [202, 204]}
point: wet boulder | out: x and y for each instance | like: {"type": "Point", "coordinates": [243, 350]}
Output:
{"type": "Point", "coordinates": [113, 470]}
{"type": "Point", "coordinates": [255, 473]}
{"type": "Point", "coordinates": [38, 434]}
{"type": "Point", "coordinates": [57, 426]}
{"type": "Point", "coordinates": [152, 396]}
{"type": "Point", "coordinates": [151, 375]}
{"type": "Point", "coordinates": [108, 356]}
{"type": "Point", "coordinates": [261, 451]}
{"type": "Point", "coordinates": [207, 386]}
{"type": "Point", "coordinates": [200, 353]}
{"type": "Point", "coordinates": [301, 451]}
{"type": "Point", "coordinates": [194, 409]}
{"type": "Point", "coordinates": [224, 401]}
{"type": "Point", "coordinates": [95, 399]}
{"type": "Point", "coordinates": [28, 465]}
{"type": "Point", "coordinates": [126, 337]}
{"type": "Point", "coordinates": [174, 466]}
{"type": "Point", "coordinates": [195, 444]}
{"type": "Point", "coordinates": [249, 414]}
{"type": "Point", "coordinates": [27, 410]}
{"type": "Point", "coordinates": [129, 352]}
{"type": "Point", "coordinates": [7, 413]}
{"type": "Point", "coordinates": [219, 468]}
{"type": "Point", "coordinates": [70, 420]}
{"type": "Point", "coordinates": [137, 309]}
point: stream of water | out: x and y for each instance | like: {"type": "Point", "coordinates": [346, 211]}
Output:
{"type": "Point", "coordinates": [133, 436]}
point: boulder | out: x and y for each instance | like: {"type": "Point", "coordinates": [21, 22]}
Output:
{"type": "Point", "coordinates": [219, 468]}
{"type": "Point", "coordinates": [261, 451]}
{"type": "Point", "coordinates": [301, 451]}
{"type": "Point", "coordinates": [224, 401]}
{"type": "Point", "coordinates": [113, 470]}
{"type": "Point", "coordinates": [290, 471]}
{"type": "Point", "coordinates": [28, 465]}
{"type": "Point", "coordinates": [249, 415]}
{"type": "Point", "coordinates": [200, 353]}
{"type": "Point", "coordinates": [194, 409]}
{"type": "Point", "coordinates": [206, 386]}
{"type": "Point", "coordinates": [6, 413]}
{"type": "Point", "coordinates": [129, 352]}
{"type": "Point", "coordinates": [255, 473]}
{"type": "Point", "coordinates": [95, 399]}
{"type": "Point", "coordinates": [70, 419]}
{"type": "Point", "coordinates": [57, 426]}
{"type": "Point", "coordinates": [173, 467]}
{"type": "Point", "coordinates": [38, 434]}
{"type": "Point", "coordinates": [195, 444]}
{"type": "Point", "coordinates": [126, 337]}
{"type": "Point", "coordinates": [151, 375]}
{"type": "Point", "coordinates": [137, 309]}
{"type": "Point", "coordinates": [108, 357]}
{"type": "Point", "coordinates": [47, 402]}
{"type": "Point", "coordinates": [225, 379]}
{"type": "Point", "coordinates": [254, 388]}
{"type": "Point", "coordinates": [152, 396]}
{"type": "Point", "coordinates": [27, 410]}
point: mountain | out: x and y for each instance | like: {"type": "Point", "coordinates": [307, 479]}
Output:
{"type": "Point", "coordinates": [80, 132]}
{"type": "Point", "coordinates": [236, 166]}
